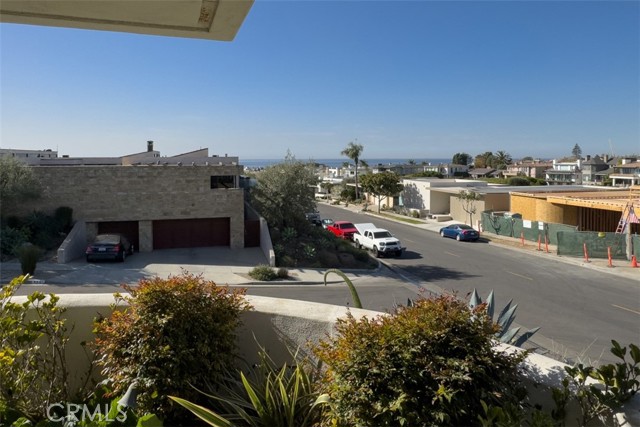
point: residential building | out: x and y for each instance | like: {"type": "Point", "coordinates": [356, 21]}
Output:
{"type": "Point", "coordinates": [587, 209]}
{"type": "Point", "coordinates": [448, 170]}
{"type": "Point", "coordinates": [564, 173]}
{"type": "Point", "coordinates": [530, 169]}
{"type": "Point", "coordinates": [590, 168]}
{"type": "Point", "coordinates": [28, 156]}
{"type": "Point", "coordinates": [187, 200]}
{"type": "Point", "coordinates": [627, 173]}
{"type": "Point", "coordinates": [481, 173]}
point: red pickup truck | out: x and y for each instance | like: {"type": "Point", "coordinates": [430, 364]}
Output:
{"type": "Point", "coordinates": [343, 229]}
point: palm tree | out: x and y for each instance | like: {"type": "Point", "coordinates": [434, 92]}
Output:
{"type": "Point", "coordinates": [353, 152]}
{"type": "Point", "coordinates": [502, 159]}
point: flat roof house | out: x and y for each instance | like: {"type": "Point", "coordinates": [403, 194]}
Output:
{"type": "Point", "coordinates": [187, 200]}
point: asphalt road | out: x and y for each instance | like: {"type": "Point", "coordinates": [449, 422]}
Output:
{"type": "Point", "coordinates": [579, 310]}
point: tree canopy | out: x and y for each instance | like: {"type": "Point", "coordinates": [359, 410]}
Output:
{"type": "Point", "coordinates": [577, 151]}
{"type": "Point", "coordinates": [384, 184]}
{"type": "Point", "coordinates": [488, 159]}
{"type": "Point", "coordinates": [17, 181]}
{"type": "Point", "coordinates": [501, 160]}
{"type": "Point", "coordinates": [461, 159]}
{"type": "Point", "coordinates": [285, 193]}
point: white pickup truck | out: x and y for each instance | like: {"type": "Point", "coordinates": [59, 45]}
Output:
{"type": "Point", "coordinates": [378, 240]}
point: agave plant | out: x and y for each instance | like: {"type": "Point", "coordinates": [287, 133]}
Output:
{"type": "Point", "coordinates": [504, 321]}
{"type": "Point", "coordinates": [352, 288]}
{"type": "Point", "coordinates": [269, 396]}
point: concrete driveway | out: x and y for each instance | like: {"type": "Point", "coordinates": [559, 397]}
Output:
{"type": "Point", "coordinates": [220, 264]}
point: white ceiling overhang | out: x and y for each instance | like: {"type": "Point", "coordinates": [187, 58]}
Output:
{"type": "Point", "coordinates": [203, 19]}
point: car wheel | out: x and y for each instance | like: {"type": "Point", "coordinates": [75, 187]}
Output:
{"type": "Point", "coordinates": [458, 237]}
{"type": "Point", "coordinates": [375, 251]}
{"type": "Point", "coordinates": [88, 258]}
{"type": "Point", "coordinates": [442, 234]}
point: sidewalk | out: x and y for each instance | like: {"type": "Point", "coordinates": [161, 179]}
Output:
{"type": "Point", "coordinates": [619, 267]}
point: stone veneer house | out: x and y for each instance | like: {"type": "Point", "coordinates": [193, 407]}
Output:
{"type": "Point", "coordinates": [188, 200]}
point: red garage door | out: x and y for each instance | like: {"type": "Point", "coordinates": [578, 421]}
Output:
{"type": "Point", "coordinates": [191, 233]}
{"type": "Point", "coordinates": [128, 229]}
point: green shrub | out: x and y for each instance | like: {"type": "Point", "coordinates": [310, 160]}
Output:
{"type": "Point", "coordinates": [429, 364]}
{"type": "Point", "coordinates": [12, 221]}
{"type": "Point", "coordinates": [287, 261]}
{"type": "Point", "coordinates": [28, 255]}
{"type": "Point", "coordinates": [263, 273]}
{"type": "Point", "coordinates": [33, 368]}
{"type": "Point", "coordinates": [616, 384]}
{"type": "Point", "coordinates": [176, 335]}
{"type": "Point", "coordinates": [282, 273]}
{"type": "Point", "coordinates": [11, 239]}
{"type": "Point", "coordinates": [64, 218]}
{"type": "Point", "coordinates": [516, 180]}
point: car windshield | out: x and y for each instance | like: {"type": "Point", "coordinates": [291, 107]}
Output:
{"type": "Point", "coordinates": [465, 227]}
{"type": "Point", "coordinates": [381, 234]}
{"type": "Point", "coordinates": [107, 238]}
{"type": "Point", "coordinates": [346, 225]}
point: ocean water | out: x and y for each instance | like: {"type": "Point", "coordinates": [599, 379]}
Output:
{"type": "Point", "coordinates": [263, 163]}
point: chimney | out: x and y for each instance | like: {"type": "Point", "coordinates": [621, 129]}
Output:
{"type": "Point", "coordinates": [149, 146]}
{"type": "Point", "coordinates": [588, 157]}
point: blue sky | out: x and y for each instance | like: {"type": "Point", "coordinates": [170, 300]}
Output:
{"type": "Point", "coordinates": [408, 80]}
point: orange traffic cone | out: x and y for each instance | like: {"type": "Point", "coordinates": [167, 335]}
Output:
{"type": "Point", "coordinates": [634, 262]}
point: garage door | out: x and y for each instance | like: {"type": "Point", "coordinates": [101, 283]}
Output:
{"type": "Point", "coordinates": [129, 229]}
{"type": "Point", "coordinates": [191, 233]}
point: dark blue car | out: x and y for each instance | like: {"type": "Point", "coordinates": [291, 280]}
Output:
{"type": "Point", "coordinates": [460, 232]}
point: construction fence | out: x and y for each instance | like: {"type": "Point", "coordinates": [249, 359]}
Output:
{"type": "Point", "coordinates": [568, 240]}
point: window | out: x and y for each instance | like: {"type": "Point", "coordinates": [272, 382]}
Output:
{"type": "Point", "coordinates": [223, 181]}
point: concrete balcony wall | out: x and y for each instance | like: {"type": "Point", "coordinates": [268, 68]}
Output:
{"type": "Point", "coordinates": [281, 325]}
{"type": "Point", "coordinates": [74, 244]}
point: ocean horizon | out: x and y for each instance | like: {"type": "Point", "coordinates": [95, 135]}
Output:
{"type": "Point", "coordinates": [263, 163]}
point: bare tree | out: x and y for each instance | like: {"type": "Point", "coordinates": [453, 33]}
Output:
{"type": "Point", "coordinates": [468, 201]}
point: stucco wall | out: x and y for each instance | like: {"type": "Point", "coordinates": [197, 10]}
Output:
{"type": "Point", "coordinates": [497, 202]}
{"type": "Point", "coordinates": [459, 214]}
{"type": "Point", "coordinates": [141, 193]}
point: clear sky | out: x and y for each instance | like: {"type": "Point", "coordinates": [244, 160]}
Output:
{"type": "Point", "coordinates": [414, 79]}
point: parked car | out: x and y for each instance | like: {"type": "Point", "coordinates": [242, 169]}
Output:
{"type": "Point", "coordinates": [314, 218]}
{"type": "Point", "coordinates": [326, 222]}
{"type": "Point", "coordinates": [343, 229]}
{"type": "Point", "coordinates": [378, 240]}
{"type": "Point", "coordinates": [460, 232]}
{"type": "Point", "coordinates": [109, 246]}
